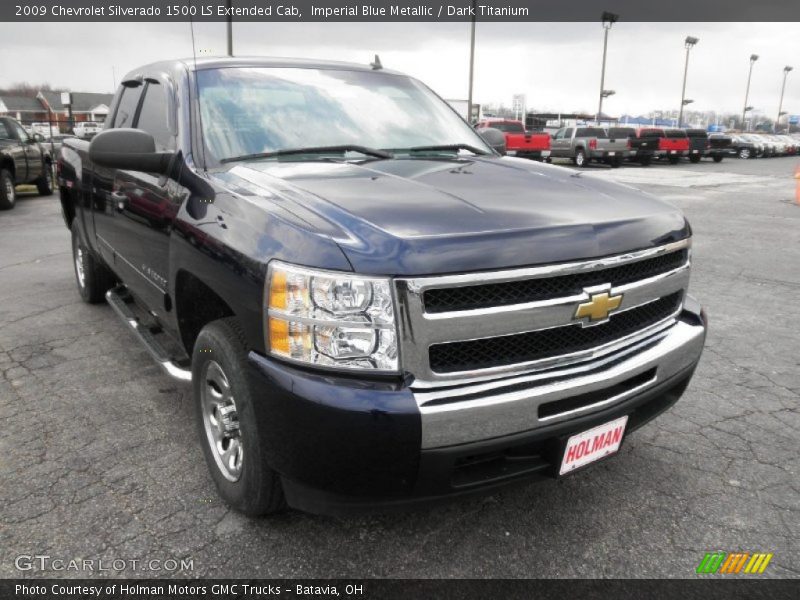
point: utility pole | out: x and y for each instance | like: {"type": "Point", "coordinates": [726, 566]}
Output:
{"type": "Point", "coordinates": [229, 26]}
{"type": "Point", "coordinates": [471, 64]}
{"type": "Point", "coordinates": [689, 44]}
{"type": "Point", "coordinates": [786, 70]}
{"type": "Point", "coordinates": [753, 59]}
{"type": "Point", "coordinates": [608, 19]}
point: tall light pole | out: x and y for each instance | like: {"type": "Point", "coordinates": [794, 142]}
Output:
{"type": "Point", "coordinates": [608, 19]}
{"type": "Point", "coordinates": [786, 70]}
{"type": "Point", "coordinates": [689, 43]}
{"type": "Point", "coordinates": [753, 59]}
{"type": "Point", "coordinates": [471, 64]}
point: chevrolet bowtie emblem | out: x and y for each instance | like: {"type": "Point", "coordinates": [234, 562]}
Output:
{"type": "Point", "coordinates": [598, 307]}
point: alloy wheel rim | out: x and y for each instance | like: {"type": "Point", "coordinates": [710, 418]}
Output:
{"type": "Point", "coordinates": [79, 267]}
{"type": "Point", "coordinates": [9, 189]}
{"type": "Point", "coordinates": [221, 421]}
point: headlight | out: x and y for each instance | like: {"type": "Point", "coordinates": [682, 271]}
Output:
{"type": "Point", "coordinates": [330, 319]}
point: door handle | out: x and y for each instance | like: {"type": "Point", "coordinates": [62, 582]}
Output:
{"type": "Point", "coordinates": [120, 200]}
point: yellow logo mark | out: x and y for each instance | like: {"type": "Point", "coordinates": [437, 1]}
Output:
{"type": "Point", "coordinates": [598, 307]}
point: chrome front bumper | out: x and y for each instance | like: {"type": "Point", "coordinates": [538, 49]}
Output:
{"type": "Point", "coordinates": [485, 410]}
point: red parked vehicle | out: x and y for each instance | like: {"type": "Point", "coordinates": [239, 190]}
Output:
{"type": "Point", "coordinates": [672, 143]}
{"type": "Point", "coordinates": [525, 144]}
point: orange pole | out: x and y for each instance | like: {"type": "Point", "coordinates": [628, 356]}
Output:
{"type": "Point", "coordinates": [797, 191]}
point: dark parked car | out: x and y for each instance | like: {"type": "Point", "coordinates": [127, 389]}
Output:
{"type": "Point", "coordinates": [373, 312]}
{"type": "Point", "coordinates": [746, 148]}
{"type": "Point", "coordinates": [22, 160]}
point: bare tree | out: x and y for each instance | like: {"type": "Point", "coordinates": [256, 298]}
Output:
{"type": "Point", "coordinates": [23, 88]}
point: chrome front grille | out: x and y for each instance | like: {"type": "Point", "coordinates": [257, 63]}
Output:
{"type": "Point", "coordinates": [554, 341]}
{"type": "Point", "coordinates": [507, 293]}
{"type": "Point", "coordinates": [462, 328]}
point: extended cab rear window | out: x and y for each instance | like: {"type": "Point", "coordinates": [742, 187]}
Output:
{"type": "Point", "coordinates": [676, 133]}
{"type": "Point", "coordinates": [507, 127]}
{"type": "Point", "coordinates": [621, 132]}
{"type": "Point", "coordinates": [591, 132]}
{"type": "Point", "coordinates": [651, 133]}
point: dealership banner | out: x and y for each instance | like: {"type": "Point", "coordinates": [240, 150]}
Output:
{"type": "Point", "coordinates": [393, 11]}
{"type": "Point", "coordinates": [707, 588]}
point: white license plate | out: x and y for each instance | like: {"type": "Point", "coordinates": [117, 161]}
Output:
{"type": "Point", "coordinates": [695, 151]}
{"type": "Point", "coordinates": [611, 153]}
{"type": "Point", "coordinates": [594, 444]}
{"type": "Point", "coordinates": [673, 151]}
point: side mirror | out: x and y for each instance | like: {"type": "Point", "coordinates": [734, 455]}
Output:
{"type": "Point", "coordinates": [38, 137]}
{"type": "Point", "coordinates": [495, 138]}
{"type": "Point", "coordinates": [129, 149]}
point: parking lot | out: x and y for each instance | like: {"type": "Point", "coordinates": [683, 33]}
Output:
{"type": "Point", "coordinates": [99, 456]}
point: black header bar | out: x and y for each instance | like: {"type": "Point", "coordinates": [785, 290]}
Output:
{"type": "Point", "coordinates": [391, 11]}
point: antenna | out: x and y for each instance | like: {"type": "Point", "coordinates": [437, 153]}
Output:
{"type": "Point", "coordinates": [197, 93]}
{"type": "Point", "coordinates": [376, 64]}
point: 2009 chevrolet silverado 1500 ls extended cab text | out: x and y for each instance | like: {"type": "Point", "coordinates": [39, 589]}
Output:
{"type": "Point", "coordinates": [372, 306]}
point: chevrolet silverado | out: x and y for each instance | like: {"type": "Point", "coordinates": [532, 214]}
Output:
{"type": "Point", "coordinates": [22, 160]}
{"type": "Point", "coordinates": [373, 308]}
{"type": "Point", "coordinates": [519, 142]}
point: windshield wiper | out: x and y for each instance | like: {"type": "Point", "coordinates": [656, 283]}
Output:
{"type": "Point", "coordinates": [446, 147]}
{"type": "Point", "coordinates": [313, 150]}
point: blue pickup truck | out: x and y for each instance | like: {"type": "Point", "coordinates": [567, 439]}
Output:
{"type": "Point", "coordinates": [373, 306]}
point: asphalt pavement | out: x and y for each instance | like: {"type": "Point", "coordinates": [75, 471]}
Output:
{"type": "Point", "coordinates": [99, 458]}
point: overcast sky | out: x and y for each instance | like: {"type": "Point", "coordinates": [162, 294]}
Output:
{"type": "Point", "coordinates": [557, 65]}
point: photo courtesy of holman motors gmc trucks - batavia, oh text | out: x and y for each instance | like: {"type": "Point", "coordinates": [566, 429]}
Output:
{"type": "Point", "coordinates": [374, 306]}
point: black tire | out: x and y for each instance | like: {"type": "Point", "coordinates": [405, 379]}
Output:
{"type": "Point", "coordinates": [257, 489]}
{"type": "Point", "coordinates": [580, 159]}
{"type": "Point", "coordinates": [718, 159]}
{"type": "Point", "coordinates": [91, 276]}
{"type": "Point", "coordinates": [645, 161]}
{"type": "Point", "coordinates": [694, 158]}
{"type": "Point", "coordinates": [8, 195]}
{"type": "Point", "coordinates": [45, 183]}
{"type": "Point", "coordinates": [744, 153]}
{"type": "Point", "coordinates": [673, 160]}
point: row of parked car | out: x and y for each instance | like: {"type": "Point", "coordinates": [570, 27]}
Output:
{"type": "Point", "coordinates": [616, 145]}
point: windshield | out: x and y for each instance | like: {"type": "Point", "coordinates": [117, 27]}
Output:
{"type": "Point", "coordinates": [254, 110]}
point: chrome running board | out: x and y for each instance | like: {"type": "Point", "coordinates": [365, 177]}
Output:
{"type": "Point", "coordinates": [118, 299]}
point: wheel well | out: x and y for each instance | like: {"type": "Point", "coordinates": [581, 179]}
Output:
{"type": "Point", "coordinates": [8, 165]}
{"type": "Point", "coordinates": [196, 305]}
{"type": "Point", "coordinates": [67, 208]}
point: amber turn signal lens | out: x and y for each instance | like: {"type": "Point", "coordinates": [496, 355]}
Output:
{"type": "Point", "coordinates": [277, 290]}
{"type": "Point", "coordinates": [279, 336]}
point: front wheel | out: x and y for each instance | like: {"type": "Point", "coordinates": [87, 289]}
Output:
{"type": "Point", "coordinates": [580, 158]}
{"type": "Point", "coordinates": [8, 193]}
{"type": "Point", "coordinates": [227, 424]}
{"type": "Point", "coordinates": [645, 160]}
{"type": "Point", "coordinates": [744, 152]}
{"type": "Point", "coordinates": [718, 159]}
{"type": "Point", "coordinates": [694, 158]}
{"type": "Point", "coordinates": [93, 278]}
{"type": "Point", "coordinates": [673, 160]}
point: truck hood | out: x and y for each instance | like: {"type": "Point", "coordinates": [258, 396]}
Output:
{"type": "Point", "coordinates": [426, 216]}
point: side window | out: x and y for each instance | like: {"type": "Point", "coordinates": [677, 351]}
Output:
{"type": "Point", "coordinates": [5, 134]}
{"type": "Point", "coordinates": [126, 109]}
{"type": "Point", "coordinates": [21, 134]}
{"type": "Point", "coordinates": [153, 116]}
{"type": "Point", "coordinates": [568, 133]}
{"type": "Point", "coordinates": [559, 134]}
